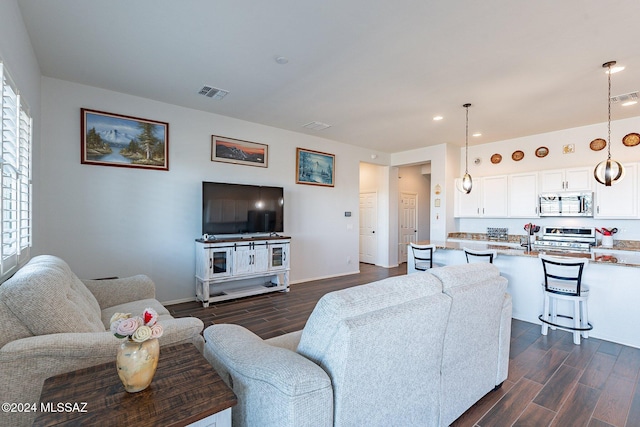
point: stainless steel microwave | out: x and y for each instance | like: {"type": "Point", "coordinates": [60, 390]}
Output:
{"type": "Point", "coordinates": [566, 204]}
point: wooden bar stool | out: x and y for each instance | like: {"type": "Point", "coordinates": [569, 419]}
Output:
{"type": "Point", "coordinates": [563, 282]}
{"type": "Point", "coordinates": [473, 255]}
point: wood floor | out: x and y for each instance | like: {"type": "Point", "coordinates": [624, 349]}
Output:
{"type": "Point", "coordinates": [552, 382]}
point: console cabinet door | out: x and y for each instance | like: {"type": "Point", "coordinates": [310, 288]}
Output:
{"type": "Point", "coordinates": [242, 259]}
{"type": "Point", "coordinates": [278, 256]}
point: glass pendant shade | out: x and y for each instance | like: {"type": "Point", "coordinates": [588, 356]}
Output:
{"type": "Point", "coordinates": [467, 182]}
{"type": "Point", "coordinates": [609, 171]}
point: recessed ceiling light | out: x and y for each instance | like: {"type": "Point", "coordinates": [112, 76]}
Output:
{"type": "Point", "coordinates": [437, 118]}
{"type": "Point", "coordinates": [626, 104]}
{"type": "Point", "coordinates": [282, 60]}
{"type": "Point", "coordinates": [477, 134]}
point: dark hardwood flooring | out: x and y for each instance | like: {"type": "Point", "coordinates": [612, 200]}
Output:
{"type": "Point", "coordinates": [552, 382]}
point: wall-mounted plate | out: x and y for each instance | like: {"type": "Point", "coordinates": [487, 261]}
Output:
{"type": "Point", "coordinates": [542, 152]}
{"type": "Point", "coordinates": [598, 144]}
{"type": "Point", "coordinates": [496, 158]}
{"type": "Point", "coordinates": [517, 155]}
{"type": "Point", "coordinates": [631, 140]}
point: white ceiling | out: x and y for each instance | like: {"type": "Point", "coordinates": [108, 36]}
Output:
{"type": "Point", "coordinates": [377, 71]}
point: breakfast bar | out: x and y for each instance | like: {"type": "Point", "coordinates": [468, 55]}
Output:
{"type": "Point", "coordinates": [612, 276]}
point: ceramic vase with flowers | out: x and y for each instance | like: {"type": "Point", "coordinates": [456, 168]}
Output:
{"type": "Point", "coordinates": [137, 357]}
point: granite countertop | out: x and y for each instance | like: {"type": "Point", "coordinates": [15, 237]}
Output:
{"type": "Point", "coordinates": [623, 252]}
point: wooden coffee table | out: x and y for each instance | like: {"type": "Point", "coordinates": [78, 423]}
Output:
{"type": "Point", "coordinates": [184, 390]}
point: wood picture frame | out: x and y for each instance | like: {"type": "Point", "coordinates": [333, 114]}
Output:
{"type": "Point", "coordinates": [315, 168]}
{"type": "Point", "coordinates": [239, 152]}
{"type": "Point", "coordinates": [109, 139]}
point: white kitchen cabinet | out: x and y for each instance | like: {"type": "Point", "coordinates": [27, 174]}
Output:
{"type": "Point", "coordinates": [222, 262]}
{"type": "Point", "coordinates": [523, 195]}
{"type": "Point", "coordinates": [487, 199]}
{"type": "Point", "coordinates": [574, 179]}
{"type": "Point", "coordinates": [621, 199]}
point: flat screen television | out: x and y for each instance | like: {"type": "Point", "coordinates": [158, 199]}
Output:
{"type": "Point", "coordinates": [241, 209]}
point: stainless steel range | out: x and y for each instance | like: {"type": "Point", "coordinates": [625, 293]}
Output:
{"type": "Point", "coordinates": [566, 239]}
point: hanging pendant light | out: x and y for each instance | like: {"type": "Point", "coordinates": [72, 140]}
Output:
{"type": "Point", "coordinates": [609, 172]}
{"type": "Point", "coordinates": [467, 182]}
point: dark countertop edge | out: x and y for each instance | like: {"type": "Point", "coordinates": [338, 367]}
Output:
{"type": "Point", "coordinates": [242, 239]}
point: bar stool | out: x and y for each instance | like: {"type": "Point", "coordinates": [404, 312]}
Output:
{"type": "Point", "coordinates": [422, 257]}
{"type": "Point", "coordinates": [563, 281]}
{"type": "Point", "coordinates": [473, 255]}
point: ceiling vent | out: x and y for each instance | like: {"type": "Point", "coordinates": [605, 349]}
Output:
{"type": "Point", "coordinates": [213, 92]}
{"type": "Point", "coordinates": [316, 126]}
{"type": "Point", "coordinates": [633, 96]}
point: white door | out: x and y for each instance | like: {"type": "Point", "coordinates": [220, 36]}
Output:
{"type": "Point", "coordinates": [368, 221]}
{"type": "Point", "coordinates": [408, 223]}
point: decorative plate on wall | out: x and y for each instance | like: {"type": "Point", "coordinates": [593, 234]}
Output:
{"type": "Point", "coordinates": [631, 140]}
{"type": "Point", "coordinates": [542, 152]}
{"type": "Point", "coordinates": [598, 144]}
{"type": "Point", "coordinates": [517, 155]}
{"type": "Point", "coordinates": [496, 158]}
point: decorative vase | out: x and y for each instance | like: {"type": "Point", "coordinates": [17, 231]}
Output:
{"type": "Point", "coordinates": [607, 241]}
{"type": "Point", "coordinates": [137, 363]}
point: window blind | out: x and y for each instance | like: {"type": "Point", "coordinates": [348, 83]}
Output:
{"type": "Point", "coordinates": [15, 178]}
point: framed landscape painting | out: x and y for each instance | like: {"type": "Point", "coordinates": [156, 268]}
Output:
{"type": "Point", "coordinates": [315, 168]}
{"type": "Point", "coordinates": [240, 152]}
{"type": "Point", "coordinates": [109, 139]}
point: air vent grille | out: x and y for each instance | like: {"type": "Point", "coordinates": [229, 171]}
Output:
{"type": "Point", "coordinates": [213, 92]}
{"type": "Point", "coordinates": [316, 126]}
{"type": "Point", "coordinates": [632, 96]}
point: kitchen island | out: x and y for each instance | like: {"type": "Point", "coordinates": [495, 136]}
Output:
{"type": "Point", "coordinates": [613, 277]}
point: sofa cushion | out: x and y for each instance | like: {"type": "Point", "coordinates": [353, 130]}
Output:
{"type": "Point", "coordinates": [135, 308]}
{"type": "Point", "coordinates": [48, 298]}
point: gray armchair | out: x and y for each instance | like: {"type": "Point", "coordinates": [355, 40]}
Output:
{"type": "Point", "coordinates": [51, 322]}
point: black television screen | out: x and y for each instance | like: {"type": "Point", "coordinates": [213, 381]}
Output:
{"type": "Point", "coordinates": [241, 209]}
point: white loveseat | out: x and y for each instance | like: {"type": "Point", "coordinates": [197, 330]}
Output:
{"type": "Point", "coordinates": [418, 349]}
{"type": "Point", "coordinates": [51, 322]}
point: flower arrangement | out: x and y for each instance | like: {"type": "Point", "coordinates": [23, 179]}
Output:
{"type": "Point", "coordinates": [138, 328]}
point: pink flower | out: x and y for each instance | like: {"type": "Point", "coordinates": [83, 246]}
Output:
{"type": "Point", "coordinates": [156, 331]}
{"type": "Point", "coordinates": [127, 326]}
{"type": "Point", "coordinates": [149, 316]}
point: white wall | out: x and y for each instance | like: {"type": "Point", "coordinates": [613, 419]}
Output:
{"type": "Point", "coordinates": [556, 159]}
{"type": "Point", "coordinates": [110, 221]}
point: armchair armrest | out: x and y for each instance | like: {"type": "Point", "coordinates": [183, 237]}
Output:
{"type": "Point", "coordinates": [274, 386]}
{"type": "Point", "coordinates": [110, 292]}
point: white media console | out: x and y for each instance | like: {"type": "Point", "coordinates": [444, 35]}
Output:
{"type": "Point", "coordinates": [221, 262]}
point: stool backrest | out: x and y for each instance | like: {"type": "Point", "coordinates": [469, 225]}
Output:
{"type": "Point", "coordinates": [480, 256]}
{"type": "Point", "coordinates": [563, 272]}
{"type": "Point", "coordinates": [423, 253]}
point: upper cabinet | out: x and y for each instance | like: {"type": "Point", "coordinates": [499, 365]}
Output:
{"type": "Point", "coordinates": [621, 199]}
{"type": "Point", "coordinates": [488, 198]}
{"type": "Point", "coordinates": [575, 179]}
{"type": "Point", "coordinates": [523, 195]}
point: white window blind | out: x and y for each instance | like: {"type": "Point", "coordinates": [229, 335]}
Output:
{"type": "Point", "coordinates": [15, 178]}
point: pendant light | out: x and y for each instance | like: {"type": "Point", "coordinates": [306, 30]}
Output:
{"type": "Point", "coordinates": [608, 172]}
{"type": "Point", "coordinates": [467, 182]}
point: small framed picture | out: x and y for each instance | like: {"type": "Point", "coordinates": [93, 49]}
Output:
{"type": "Point", "coordinates": [315, 168]}
{"type": "Point", "coordinates": [229, 150]}
{"type": "Point", "coordinates": [109, 139]}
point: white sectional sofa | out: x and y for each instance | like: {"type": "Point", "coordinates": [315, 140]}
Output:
{"type": "Point", "coordinates": [418, 349]}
